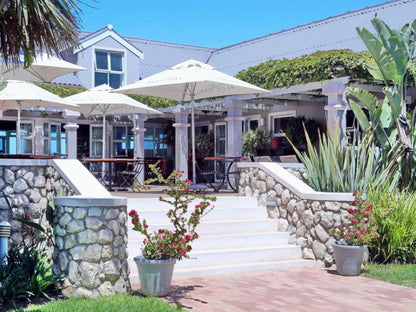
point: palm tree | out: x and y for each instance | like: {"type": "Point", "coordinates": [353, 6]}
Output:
{"type": "Point", "coordinates": [34, 26]}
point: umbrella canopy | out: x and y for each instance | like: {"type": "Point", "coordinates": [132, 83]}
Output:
{"type": "Point", "coordinates": [189, 81]}
{"type": "Point", "coordinates": [43, 69]}
{"type": "Point", "coordinates": [102, 101]}
{"type": "Point", "coordinates": [20, 94]}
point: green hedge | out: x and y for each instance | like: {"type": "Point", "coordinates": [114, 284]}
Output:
{"type": "Point", "coordinates": [318, 66]}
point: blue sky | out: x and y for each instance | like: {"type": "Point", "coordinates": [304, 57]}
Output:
{"type": "Point", "coordinates": [209, 23]}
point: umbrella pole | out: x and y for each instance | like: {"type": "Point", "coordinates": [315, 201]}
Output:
{"type": "Point", "coordinates": [193, 141]}
{"type": "Point", "coordinates": [104, 136]}
{"type": "Point", "coordinates": [104, 166]}
{"type": "Point", "coordinates": [18, 128]}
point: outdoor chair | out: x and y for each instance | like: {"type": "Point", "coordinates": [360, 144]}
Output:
{"type": "Point", "coordinates": [131, 174]}
{"type": "Point", "coordinates": [96, 169]}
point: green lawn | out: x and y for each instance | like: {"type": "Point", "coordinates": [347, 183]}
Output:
{"type": "Point", "coordinates": [116, 303]}
{"type": "Point", "coordinates": [401, 274]}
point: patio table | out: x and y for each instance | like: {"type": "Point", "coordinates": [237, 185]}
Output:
{"type": "Point", "coordinates": [224, 169]}
{"type": "Point", "coordinates": [112, 167]}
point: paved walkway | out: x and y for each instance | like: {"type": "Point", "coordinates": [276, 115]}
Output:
{"type": "Point", "coordinates": [291, 290]}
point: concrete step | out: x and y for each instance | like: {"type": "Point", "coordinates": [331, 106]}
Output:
{"type": "Point", "coordinates": [225, 202]}
{"type": "Point", "coordinates": [227, 241]}
{"type": "Point", "coordinates": [179, 273]}
{"type": "Point", "coordinates": [235, 256]}
{"type": "Point", "coordinates": [217, 227]}
{"type": "Point", "coordinates": [158, 215]}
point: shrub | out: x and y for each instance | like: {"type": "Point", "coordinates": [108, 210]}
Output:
{"type": "Point", "coordinates": [395, 214]}
{"type": "Point", "coordinates": [27, 274]}
{"type": "Point", "coordinates": [255, 139]}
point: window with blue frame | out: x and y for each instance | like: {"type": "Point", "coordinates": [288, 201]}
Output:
{"type": "Point", "coordinates": [109, 69]}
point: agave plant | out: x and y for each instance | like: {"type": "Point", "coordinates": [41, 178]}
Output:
{"type": "Point", "coordinates": [335, 167]}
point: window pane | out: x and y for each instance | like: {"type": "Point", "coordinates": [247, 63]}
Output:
{"type": "Point", "coordinates": [46, 147]}
{"type": "Point", "coordinates": [101, 60]}
{"type": "Point", "coordinates": [54, 131]}
{"type": "Point", "coordinates": [254, 124]}
{"type": "Point", "coordinates": [54, 147]}
{"type": "Point", "coordinates": [100, 78]}
{"type": "Point", "coordinates": [97, 133]}
{"type": "Point", "coordinates": [63, 143]}
{"type": "Point", "coordinates": [115, 81]}
{"type": "Point", "coordinates": [119, 149]}
{"type": "Point", "coordinates": [116, 61]}
{"type": "Point", "coordinates": [97, 149]}
{"type": "Point", "coordinates": [46, 129]}
{"type": "Point", "coordinates": [25, 129]}
{"type": "Point", "coordinates": [26, 146]}
{"type": "Point", "coordinates": [119, 133]}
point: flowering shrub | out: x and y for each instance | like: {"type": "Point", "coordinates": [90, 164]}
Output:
{"type": "Point", "coordinates": [175, 242]}
{"type": "Point", "coordinates": [362, 229]}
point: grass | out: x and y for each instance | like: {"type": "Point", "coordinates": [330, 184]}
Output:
{"type": "Point", "coordinates": [400, 274]}
{"type": "Point", "coordinates": [116, 303]}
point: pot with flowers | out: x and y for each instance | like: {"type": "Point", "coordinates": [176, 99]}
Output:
{"type": "Point", "coordinates": [352, 239]}
{"type": "Point", "coordinates": [163, 247]}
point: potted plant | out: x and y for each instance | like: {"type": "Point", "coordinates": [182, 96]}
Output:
{"type": "Point", "coordinates": [162, 247]}
{"type": "Point", "coordinates": [352, 239]}
{"type": "Point", "coordinates": [255, 141]}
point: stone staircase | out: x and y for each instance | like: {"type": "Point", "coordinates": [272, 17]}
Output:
{"type": "Point", "coordinates": [236, 236]}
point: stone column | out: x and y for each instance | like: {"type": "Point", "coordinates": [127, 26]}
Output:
{"type": "Point", "coordinates": [71, 128]}
{"type": "Point", "coordinates": [139, 131]}
{"type": "Point", "coordinates": [235, 133]}
{"type": "Point", "coordinates": [91, 245]}
{"type": "Point", "coordinates": [181, 126]}
{"type": "Point", "coordinates": [336, 107]}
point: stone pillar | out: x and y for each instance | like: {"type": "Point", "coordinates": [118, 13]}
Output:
{"type": "Point", "coordinates": [71, 128]}
{"type": "Point", "coordinates": [235, 133]}
{"type": "Point", "coordinates": [139, 131]}
{"type": "Point", "coordinates": [91, 245]}
{"type": "Point", "coordinates": [336, 107]}
{"type": "Point", "coordinates": [181, 126]}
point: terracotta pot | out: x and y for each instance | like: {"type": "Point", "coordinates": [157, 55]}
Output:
{"type": "Point", "coordinates": [275, 143]}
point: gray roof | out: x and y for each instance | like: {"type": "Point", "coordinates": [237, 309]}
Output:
{"type": "Point", "coordinates": [336, 32]}
{"type": "Point", "coordinates": [160, 55]}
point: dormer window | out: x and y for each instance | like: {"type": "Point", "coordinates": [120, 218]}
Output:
{"type": "Point", "coordinates": [109, 69]}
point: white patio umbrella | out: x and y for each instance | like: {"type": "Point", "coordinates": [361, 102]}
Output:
{"type": "Point", "coordinates": [102, 101]}
{"type": "Point", "coordinates": [43, 69]}
{"type": "Point", "coordinates": [189, 81]}
{"type": "Point", "coordinates": [20, 94]}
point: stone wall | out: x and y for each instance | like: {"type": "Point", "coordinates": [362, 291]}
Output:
{"type": "Point", "coordinates": [91, 240]}
{"type": "Point", "coordinates": [29, 190]}
{"type": "Point", "coordinates": [309, 221]}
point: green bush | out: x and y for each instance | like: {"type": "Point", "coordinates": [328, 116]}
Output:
{"type": "Point", "coordinates": [395, 215]}
{"type": "Point", "coordinates": [294, 130]}
{"type": "Point", "coordinates": [27, 274]}
{"type": "Point", "coordinates": [254, 140]}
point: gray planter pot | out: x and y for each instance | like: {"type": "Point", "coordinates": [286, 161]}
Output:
{"type": "Point", "coordinates": [155, 276]}
{"type": "Point", "coordinates": [348, 259]}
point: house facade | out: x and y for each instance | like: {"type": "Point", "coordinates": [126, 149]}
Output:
{"type": "Point", "coordinates": [119, 60]}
